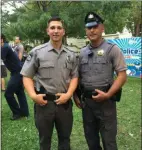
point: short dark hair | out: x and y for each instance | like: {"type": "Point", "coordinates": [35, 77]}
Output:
{"type": "Point", "coordinates": [3, 37]}
{"type": "Point", "coordinates": [55, 18]}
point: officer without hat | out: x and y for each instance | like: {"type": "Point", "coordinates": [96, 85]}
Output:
{"type": "Point", "coordinates": [97, 87]}
{"type": "Point", "coordinates": [55, 68]}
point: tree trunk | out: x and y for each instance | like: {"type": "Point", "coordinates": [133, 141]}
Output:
{"type": "Point", "coordinates": [137, 28]}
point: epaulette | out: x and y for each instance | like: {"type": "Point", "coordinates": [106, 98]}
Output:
{"type": "Point", "coordinates": [84, 47]}
{"type": "Point", "coordinates": [40, 46]}
{"type": "Point", "coordinates": [111, 43]}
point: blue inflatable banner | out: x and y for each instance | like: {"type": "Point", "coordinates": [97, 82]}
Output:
{"type": "Point", "coordinates": [132, 50]}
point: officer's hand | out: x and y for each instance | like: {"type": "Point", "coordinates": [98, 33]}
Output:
{"type": "Point", "coordinates": [77, 101]}
{"type": "Point", "coordinates": [38, 98]}
{"type": "Point", "coordinates": [63, 98]}
{"type": "Point", "coordinates": [101, 96]}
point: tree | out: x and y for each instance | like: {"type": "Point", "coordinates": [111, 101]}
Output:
{"type": "Point", "coordinates": [134, 22]}
{"type": "Point", "coordinates": [30, 20]}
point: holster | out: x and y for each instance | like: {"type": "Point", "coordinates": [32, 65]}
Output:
{"type": "Point", "coordinates": [117, 96]}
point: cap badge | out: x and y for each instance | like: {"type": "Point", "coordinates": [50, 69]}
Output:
{"type": "Point", "coordinates": [100, 52]}
{"type": "Point", "coordinates": [91, 16]}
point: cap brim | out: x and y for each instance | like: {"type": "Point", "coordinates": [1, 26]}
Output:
{"type": "Point", "coordinates": [91, 24]}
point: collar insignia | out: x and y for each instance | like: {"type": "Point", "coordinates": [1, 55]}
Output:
{"type": "Point", "coordinates": [29, 58]}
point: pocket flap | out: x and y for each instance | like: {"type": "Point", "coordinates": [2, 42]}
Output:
{"type": "Point", "coordinates": [84, 61]}
{"type": "Point", "coordinates": [100, 60]}
{"type": "Point", "coordinates": [46, 64]}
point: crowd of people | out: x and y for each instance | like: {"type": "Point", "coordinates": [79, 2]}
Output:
{"type": "Point", "coordinates": [52, 74]}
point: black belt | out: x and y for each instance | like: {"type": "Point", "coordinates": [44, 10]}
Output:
{"type": "Point", "coordinates": [50, 97]}
{"type": "Point", "coordinates": [87, 93]}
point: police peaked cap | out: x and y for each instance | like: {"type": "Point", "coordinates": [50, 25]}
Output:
{"type": "Point", "coordinates": [92, 19]}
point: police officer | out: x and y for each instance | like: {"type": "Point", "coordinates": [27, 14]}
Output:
{"type": "Point", "coordinates": [97, 63]}
{"type": "Point", "coordinates": [55, 69]}
{"type": "Point", "coordinates": [15, 84]}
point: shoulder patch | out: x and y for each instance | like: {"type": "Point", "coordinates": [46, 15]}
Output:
{"type": "Point", "coordinates": [29, 57]}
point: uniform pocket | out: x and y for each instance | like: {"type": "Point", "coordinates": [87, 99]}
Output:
{"type": "Point", "coordinates": [84, 65]}
{"type": "Point", "coordinates": [109, 108]}
{"type": "Point", "coordinates": [69, 66]}
{"type": "Point", "coordinates": [46, 69]}
{"type": "Point", "coordinates": [99, 64]}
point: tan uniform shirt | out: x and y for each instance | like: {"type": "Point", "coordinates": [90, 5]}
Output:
{"type": "Point", "coordinates": [53, 68]}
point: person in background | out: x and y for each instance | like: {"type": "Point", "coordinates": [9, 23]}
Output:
{"type": "Point", "coordinates": [15, 85]}
{"type": "Point", "coordinates": [98, 91]}
{"type": "Point", "coordinates": [19, 48]}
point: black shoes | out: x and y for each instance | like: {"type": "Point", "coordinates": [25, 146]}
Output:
{"type": "Point", "coordinates": [15, 117]}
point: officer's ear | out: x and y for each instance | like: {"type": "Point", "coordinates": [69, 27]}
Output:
{"type": "Point", "coordinates": [102, 28]}
{"type": "Point", "coordinates": [64, 31]}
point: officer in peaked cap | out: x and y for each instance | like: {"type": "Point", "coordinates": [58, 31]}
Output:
{"type": "Point", "coordinates": [97, 63]}
{"type": "Point", "coordinates": [92, 19]}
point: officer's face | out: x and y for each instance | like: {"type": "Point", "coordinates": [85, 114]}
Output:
{"type": "Point", "coordinates": [95, 33]}
{"type": "Point", "coordinates": [55, 31]}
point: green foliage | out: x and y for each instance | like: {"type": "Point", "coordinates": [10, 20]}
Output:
{"type": "Point", "coordinates": [30, 20]}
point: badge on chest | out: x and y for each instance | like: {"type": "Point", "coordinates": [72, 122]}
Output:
{"type": "Point", "coordinates": [100, 52]}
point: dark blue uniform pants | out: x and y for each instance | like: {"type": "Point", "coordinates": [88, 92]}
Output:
{"type": "Point", "coordinates": [99, 119]}
{"type": "Point", "coordinates": [15, 86]}
{"type": "Point", "coordinates": [49, 115]}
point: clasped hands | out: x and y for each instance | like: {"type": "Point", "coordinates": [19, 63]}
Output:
{"type": "Point", "coordinates": [63, 98]}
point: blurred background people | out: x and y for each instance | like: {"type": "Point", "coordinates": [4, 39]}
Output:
{"type": "Point", "coordinates": [15, 84]}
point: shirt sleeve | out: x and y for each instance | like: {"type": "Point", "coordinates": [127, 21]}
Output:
{"type": "Point", "coordinates": [30, 66]}
{"type": "Point", "coordinates": [20, 48]}
{"type": "Point", "coordinates": [74, 73]}
{"type": "Point", "coordinates": [118, 60]}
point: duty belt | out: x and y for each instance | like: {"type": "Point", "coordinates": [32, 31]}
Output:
{"type": "Point", "coordinates": [50, 97]}
{"type": "Point", "coordinates": [88, 92]}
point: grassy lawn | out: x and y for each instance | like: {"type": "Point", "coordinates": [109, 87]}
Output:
{"type": "Point", "coordinates": [22, 134]}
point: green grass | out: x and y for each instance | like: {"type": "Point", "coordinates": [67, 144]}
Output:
{"type": "Point", "coordinates": [22, 134]}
